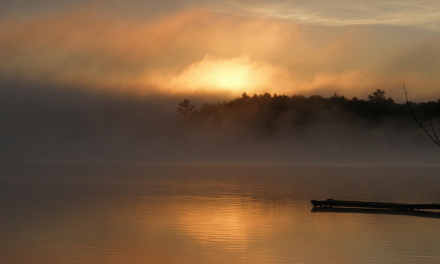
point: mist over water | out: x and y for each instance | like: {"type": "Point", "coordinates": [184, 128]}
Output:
{"type": "Point", "coordinates": [99, 165]}
{"type": "Point", "coordinates": [91, 177]}
{"type": "Point", "coordinates": [80, 125]}
{"type": "Point", "coordinates": [83, 213]}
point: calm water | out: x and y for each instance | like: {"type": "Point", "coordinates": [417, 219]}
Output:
{"type": "Point", "coordinates": [211, 214]}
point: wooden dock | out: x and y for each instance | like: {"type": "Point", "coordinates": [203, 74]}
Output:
{"type": "Point", "coordinates": [330, 203]}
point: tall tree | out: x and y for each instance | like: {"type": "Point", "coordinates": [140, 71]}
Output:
{"type": "Point", "coordinates": [377, 97]}
{"type": "Point", "coordinates": [184, 110]}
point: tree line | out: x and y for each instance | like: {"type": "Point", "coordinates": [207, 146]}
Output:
{"type": "Point", "coordinates": [268, 114]}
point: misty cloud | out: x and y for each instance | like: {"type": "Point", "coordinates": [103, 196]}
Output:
{"type": "Point", "coordinates": [227, 75]}
{"type": "Point", "coordinates": [423, 14]}
{"type": "Point", "coordinates": [44, 123]}
{"type": "Point", "coordinates": [91, 46]}
{"type": "Point", "coordinates": [82, 47]}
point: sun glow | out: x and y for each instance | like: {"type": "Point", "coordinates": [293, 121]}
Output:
{"type": "Point", "coordinates": [235, 75]}
{"type": "Point", "coordinates": [218, 73]}
{"type": "Point", "coordinates": [231, 75]}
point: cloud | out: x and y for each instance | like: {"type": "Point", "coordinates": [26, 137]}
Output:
{"type": "Point", "coordinates": [422, 13]}
{"type": "Point", "coordinates": [341, 12]}
{"type": "Point", "coordinates": [236, 75]}
{"type": "Point", "coordinates": [81, 45]}
{"type": "Point", "coordinates": [85, 47]}
{"type": "Point", "coordinates": [179, 51]}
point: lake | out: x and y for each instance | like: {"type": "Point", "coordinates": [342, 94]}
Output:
{"type": "Point", "coordinates": [84, 213]}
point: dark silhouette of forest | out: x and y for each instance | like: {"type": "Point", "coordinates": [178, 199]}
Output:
{"type": "Point", "coordinates": [72, 124]}
{"type": "Point", "coordinates": [268, 114]}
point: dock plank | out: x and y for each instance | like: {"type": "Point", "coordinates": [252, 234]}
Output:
{"type": "Point", "coordinates": [329, 203]}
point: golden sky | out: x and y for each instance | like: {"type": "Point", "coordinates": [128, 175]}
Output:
{"type": "Point", "coordinates": [229, 47]}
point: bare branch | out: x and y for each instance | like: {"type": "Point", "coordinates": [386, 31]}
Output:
{"type": "Point", "coordinates": [433, 129]}
{"type": "Point", "coordinates": [435, 140]}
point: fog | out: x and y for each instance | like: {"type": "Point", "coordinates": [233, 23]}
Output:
{"type": "Point", "coordinates": [71, 124]}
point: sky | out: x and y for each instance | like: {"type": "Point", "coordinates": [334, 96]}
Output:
{"type": "Point", "coordinates": [224, 47]}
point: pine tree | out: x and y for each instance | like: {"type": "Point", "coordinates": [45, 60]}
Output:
{"type": "Point", "coordinates": [184, 110]}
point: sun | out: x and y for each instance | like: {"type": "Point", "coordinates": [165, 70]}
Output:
{"type": "Point", "coordinates": [229, 75]}
{"type": "Point", "coordinates": [233, 75]}
{"type": "Point", "coordinates": [237, 74]}
{"type": "Point", "coordinates": [217, 73]}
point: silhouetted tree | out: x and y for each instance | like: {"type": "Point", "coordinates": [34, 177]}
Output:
{"type": "Point", "coordinates": [266, 115]}
{"type": "Point", "coordinates": [184, 111]}
{"type": "Point", "coordinates": [377, 97]}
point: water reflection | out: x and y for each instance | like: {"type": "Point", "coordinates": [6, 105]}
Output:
{"type": "Point", "coordinates": [210, 215]}
{"type": "Point", "coordinates": [428, 214]}
{"type": "Point", "coordinates": [228, 220]}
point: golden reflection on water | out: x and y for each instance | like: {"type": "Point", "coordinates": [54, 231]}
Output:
{"type": "Point", "coordinates": [200, 221]}
{"type": "Point", "coordinates": [231, 221]}
{"type": "Point", "coordinates": [222, 229]}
